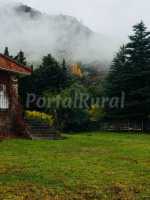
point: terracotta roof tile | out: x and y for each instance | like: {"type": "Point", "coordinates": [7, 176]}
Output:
{"type": "Point", "coordinates": [7, 64]}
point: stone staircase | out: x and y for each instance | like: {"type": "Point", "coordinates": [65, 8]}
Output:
{"type": "Point", "coordinates": [42, 131]}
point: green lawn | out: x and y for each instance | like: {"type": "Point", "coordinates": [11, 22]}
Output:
{"type": "Point", "coordinates": [84, 166]}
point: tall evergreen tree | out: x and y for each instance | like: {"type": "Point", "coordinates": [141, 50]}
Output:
{"type": "Point", "coordinates": [50, 76]}
{"type": "Point", "coordinates": [114, 79]}
{"type": "Point", "coordinates": [6, 51]}
{"type": "Point", "coordinates": [132, 75]}
{"type": "Point", "coordinates": [138, 49]}
{"type": "Point", "coordinates": [138, 52]}
{"type": "Point", "coordinates": [65, 78]}
{"type": "Point", "coordinates": [20, 58]}
{"type": "Point", "coordinates": [116, 82]}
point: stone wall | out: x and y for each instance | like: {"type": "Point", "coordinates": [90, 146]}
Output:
{"type": "Point", "coordinates": [11, 123]}
{"type": "Point", "coordinates": [6, 125]}
{"type": "Point", "coordinates": [6, 121]}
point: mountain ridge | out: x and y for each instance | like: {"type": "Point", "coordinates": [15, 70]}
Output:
{"type": "Point", "coordinates": [62, 35]}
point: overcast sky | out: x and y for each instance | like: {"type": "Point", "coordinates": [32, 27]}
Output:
{"type": "Point", "coordinates": [111, 17]}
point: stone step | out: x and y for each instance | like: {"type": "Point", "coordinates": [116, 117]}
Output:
{"type": "Point", "coordinates": [43, 135]}
{"type": "Point", "coordinates": [38, 124]}
{"type": "Point", "coordinates": [42, 131]}
{"type": "Point", "coordinates": [40, 127]}
{"type": "Point", "coordinates": [49, 137]}
{"type": "Point", "coordinates": [33, 121]}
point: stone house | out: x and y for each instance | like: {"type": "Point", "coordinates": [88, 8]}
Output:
{"type": "Point", "coordinates": [10, 110]}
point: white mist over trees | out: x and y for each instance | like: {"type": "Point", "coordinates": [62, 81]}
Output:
{"type": "Point", "coordinates": [37, 34]}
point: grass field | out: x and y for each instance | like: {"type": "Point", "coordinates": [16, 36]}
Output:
{"type": "Point", "coordinates": [83, 166]}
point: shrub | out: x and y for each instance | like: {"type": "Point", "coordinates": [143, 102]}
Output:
{"type": "Point", "coordinates": [40, 116]}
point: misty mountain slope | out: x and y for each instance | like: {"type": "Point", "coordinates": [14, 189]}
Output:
{"type": "Point", "coordinates": [37, 34]}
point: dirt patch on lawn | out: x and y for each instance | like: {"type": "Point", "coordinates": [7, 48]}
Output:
{"type": "Point", "coordinates": [35, 192]}
{"type": "Point", "coordinates": [25, 192]}
{"type": "Point", "coordinates": [11, 169]}
{"type": "Point", "coordinates": [119, 191]}
{"type": "Point", "coordinates": [28, 191]}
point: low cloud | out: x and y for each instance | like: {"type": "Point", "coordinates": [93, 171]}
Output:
{"type": "Point", "coordinates": [38, 34]}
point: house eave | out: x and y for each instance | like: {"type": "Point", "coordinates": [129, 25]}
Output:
{"type": "Point", "coordinates": [15, 71]}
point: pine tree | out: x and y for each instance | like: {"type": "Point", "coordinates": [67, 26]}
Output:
{"type": "Point", "coordinates": [116, 82]}
{"type": "Point", "coordinates": [51, 76]}
{"type": "Point", "coordinates": [65, 77]}
{"type": "Point", "coordinates": [6, 51]}
{"type": "Point", "coordinates": [138, 52]}
{"type": "Point", "coordinates": [64, 64]}
{"type": "Point", "coordinates": [132, 75]}
{"type": "Point", "coordinates": [114, 79]}
{"type": "Point", "coordinates": [138, 49]}
{"type": "Point", "coordinates": [20, 58]}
